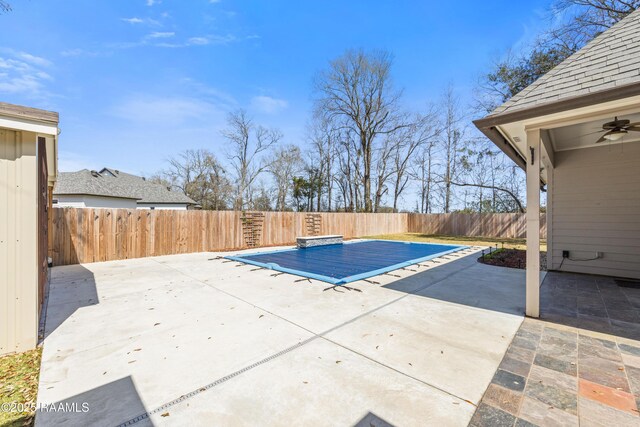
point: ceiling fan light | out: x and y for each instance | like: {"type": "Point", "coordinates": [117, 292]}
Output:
{"type": "Point", "coordinates": [615, 135]}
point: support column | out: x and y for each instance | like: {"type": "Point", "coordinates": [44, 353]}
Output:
{"type": "Point", "coordinates": [534, 153]}
{"type": "Point", "coordinates": [549, 216]}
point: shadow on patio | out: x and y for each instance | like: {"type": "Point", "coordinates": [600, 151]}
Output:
{"type": "Point", "coordinates": [595, 303]}
{"type": "Point", "coordinates": [468, 282]}
{"type": "Point", "coordinates": [72, 287]}
{"type": "Point", "coordinates": [117, 399]}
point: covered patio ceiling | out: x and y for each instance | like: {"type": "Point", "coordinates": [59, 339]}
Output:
{"type": "Point", "coordinates": [563, 130]}
{"type": "Point", "coordinates": [574, 128]}
{"type": "Point", "coordinates": [585, 134]}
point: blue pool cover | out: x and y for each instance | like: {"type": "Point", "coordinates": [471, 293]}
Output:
{"type": "Point", "coordinates": [344, 263]}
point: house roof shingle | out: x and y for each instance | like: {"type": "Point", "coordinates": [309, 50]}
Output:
{"type": "Point", "coordinates": [608, 61]}
{"type": "Point", "coordinates": [113, 183]}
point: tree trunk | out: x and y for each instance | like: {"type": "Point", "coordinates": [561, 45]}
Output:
{"type": "Point", "coordinates": [367, 187]}
{"type": "Point", "coordinates": [428, 204]}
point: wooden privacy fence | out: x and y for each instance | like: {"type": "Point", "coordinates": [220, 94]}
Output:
{"type": "Point", "coordinates": [505, 225]}
{"type": "Point", "coordinates": [91, 235]}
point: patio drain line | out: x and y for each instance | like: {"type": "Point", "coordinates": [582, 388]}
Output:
{"type": "Point", "coordinates": [315, 336]}
{"type": "Point", "coordinates": [219, 381]}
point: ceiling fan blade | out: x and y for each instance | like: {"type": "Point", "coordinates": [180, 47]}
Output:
{"type": "Point", "coordinates": [615, 124]}
{"type": "Point", "coordinates": [602, 138]}
{"type": "Point", "coordinates": [634, 128]}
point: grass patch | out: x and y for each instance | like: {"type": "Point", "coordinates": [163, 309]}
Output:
{"type": "Point", "coordinates": [460, 240]}
{"type": "Point", "coordinates": [19, 375]}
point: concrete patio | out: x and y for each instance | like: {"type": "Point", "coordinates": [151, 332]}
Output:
{"type": "Point", "coordinates": [193, 340]}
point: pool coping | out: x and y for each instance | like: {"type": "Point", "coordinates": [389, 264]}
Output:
{"type": "Point", "coordinates": [348, 279]}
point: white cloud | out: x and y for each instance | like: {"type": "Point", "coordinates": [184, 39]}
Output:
{"type": "Point", "coordinates": [222, 99]}
{"type": "Point", "coordinates": [164, 111]}
{"type": "Point", "coordinates": [212, 39]}
{"type": "Point", "coordinates": [35, 60]}
{"type": "Point", "coordinates": [194, 41]}
{"type": "Point", "coordinates": [198, 41]}
{"type": "Point", "coordinates": [219, 39]}
{"type": "Point", "coordinates": [141, 21]}
{"type": "Point", "coordinates": [77, 52]}
{"type": "Point", "coordinates": [152, 2]}
{"type": "Point", "coordinates": [169, 45]}
{"type": "Point", "coordinates": [161, 34]}
{"type": "Point", "coordinates": [268, 105]}
{"type": "Point", "coordinates": [22, 73]}
{"type": "Point", "coordinates": [72, 52]}
{"type": "Point", "coordinates": [133, 20]}
{"type": "Point", "coordinates": [214, 1]}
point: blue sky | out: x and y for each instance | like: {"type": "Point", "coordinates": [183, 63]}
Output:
{"type": "Point", "coordinates": [137, 81]}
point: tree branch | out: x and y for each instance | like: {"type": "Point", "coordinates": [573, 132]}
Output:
{"type": "Point", "coordinates": [493, 187]}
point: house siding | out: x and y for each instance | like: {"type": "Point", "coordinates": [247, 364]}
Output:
{"type": "Point", "coordinates": [163, 206]}
{"type": "Point", "coordinates": [19, 308]}
{"type": "Point", "coordinates": [86, 201]}
{"type": "Point", "coordinates": [596, 208]}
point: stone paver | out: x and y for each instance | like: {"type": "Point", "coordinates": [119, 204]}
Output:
{"type": "Point", "coordinates": [578, 369]}
{"type": "Point", "coordinates": [614, 398]}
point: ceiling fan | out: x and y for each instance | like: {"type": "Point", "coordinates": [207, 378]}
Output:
{"type": "Point", "coordinates": [617, 129]}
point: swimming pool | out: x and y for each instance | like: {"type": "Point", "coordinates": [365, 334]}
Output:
{"type": "Point", "coordinates": [347, 262]}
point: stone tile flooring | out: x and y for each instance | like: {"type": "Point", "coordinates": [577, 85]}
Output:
{"type": "Point", "coordinates": [595, 303]}
{"type": "Point", "coordinates": [579, 365]}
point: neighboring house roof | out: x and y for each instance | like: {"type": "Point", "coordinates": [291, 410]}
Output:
{"type": "Point", "coordinates": [113, 183]}
{"type": "Point", "coordinates": [608, 63]}
{"type": "Point", "coordinates": [86, 182]}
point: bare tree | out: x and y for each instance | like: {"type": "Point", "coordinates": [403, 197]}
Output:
{"type": "Point", "coordinates": [584, 20]}
{"type": "Point", "coordinates": [324, 140]}
{"type": "Point", "coordinates": [356, 91]}
{"type": "Point", "coordinates": [285, 163]}
{"type": "Point", "coordinates": [349, 175]}
{"type": "Point", "coordinates": [487, 169]}
{"type": "Point", "coordinates": [511, 194]}
{"type": "Point", "coordinates": [451, 142]}
{"type": "Point", "coordinates": [384, 167]}
{"type": "Point", "coordinates": [422, 171]}
{"type": "Point", "coordinates": [248, 143]}
{"type": "Point", "coordinates": [421, 132]}
{"type": "Point", "coordinates": [345, 176]}
{"type": "Point", "coordinates": [5, 6]}
{"type": "Point", "coordinates": [199, 175]}
{"type": "Point", "coordinates": [261, 201]}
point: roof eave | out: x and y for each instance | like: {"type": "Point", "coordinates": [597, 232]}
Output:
{"type": "Point", "coordinates": [488, 125]}
{"type": "Point", "coordinates": [94, 195]}
{"type": "Point", "coordinates": [505, 145]}
{"type": "Point", "coordinates": [29, 113]}
{"type": "Point", "coordinates": [571, 103]}
{"type": "Point", "coordinates": [167, 203]}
